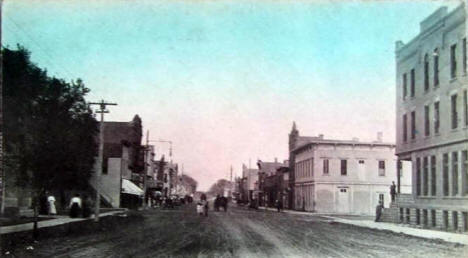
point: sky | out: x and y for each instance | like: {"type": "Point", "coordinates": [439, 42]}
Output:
{"type": "Point", "coordinates": [224, 80]}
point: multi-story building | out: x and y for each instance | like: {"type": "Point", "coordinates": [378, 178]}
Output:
{"type": "Point", "coordinates": [339, 176]}
{"type": "Point", "coordinates": [120, 161]}
{"type": "Point", "coordinates": [251, 181]}
{"type": "Point", "coordinates": [432, 121]}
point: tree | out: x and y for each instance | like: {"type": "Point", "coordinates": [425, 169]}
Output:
{"type": "Point", "coordinates": [219, 187]}
{"type": "Point", "coordinates": [50, 134]}
{"type": "Point", "coordinates": [189, 183]}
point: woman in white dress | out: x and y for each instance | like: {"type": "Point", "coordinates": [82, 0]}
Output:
{"type": "Point", "coordinates": [51, 202]}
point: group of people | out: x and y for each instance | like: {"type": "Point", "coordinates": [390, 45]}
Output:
{"type": "Point", "coordinates": [80, 207]}
{"type": "Point", "coordinates": [380, 206]}
{"type": "Point", "coordinates": [77, 206]}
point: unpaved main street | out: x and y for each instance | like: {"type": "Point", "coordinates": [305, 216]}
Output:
{"type": "Point", "coordinates": [237, 233]}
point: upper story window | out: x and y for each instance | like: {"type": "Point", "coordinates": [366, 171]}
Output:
{"type": "Point", "coordinates": [381, 167]}
{"type": "Point", "coordinates": [436, 117]}
{"type": "Point", "coordinates": [413, 125]}
{"type": "Point", "coordinates": [405, 86]}
{"type": "Point", "coordinates": [454, 112]}
{"type": "Point", "coordinates": [325, 166]}
{"type": "Point", "coordinates": [464, 55]}
{"type": "Point", "coordinates": [344, 167]}
{"type": "Point", "coordinates": [436, 67]}
{"type": "Point", "coordinates": [453, 61]}
{"type": "Point", "coordinates": [465, 106]}
{"type": "Point", "coordinates": [426, 121]}
{"type": "Point", "coordinates": [405, 128]}
{"type": "Point", "coordinates": [426, 73]}
{"type": "Point", "coordinates": [413, 82]}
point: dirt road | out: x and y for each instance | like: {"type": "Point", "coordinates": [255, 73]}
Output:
{"type": "Point", "coordinates": [237, 233]}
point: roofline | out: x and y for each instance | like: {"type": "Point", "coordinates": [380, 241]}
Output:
{"type": "Point", "coordinates": [338, 142]}
{"type": "Point", "coordinates": [415, 38]}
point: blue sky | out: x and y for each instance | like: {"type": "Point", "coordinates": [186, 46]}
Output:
{"type": "Point", "coordinates": [225, 79]}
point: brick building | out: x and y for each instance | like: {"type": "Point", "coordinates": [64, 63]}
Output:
{"type": "Point", "coordinates": [432, 121]}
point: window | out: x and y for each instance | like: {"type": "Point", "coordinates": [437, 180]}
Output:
{"type": "Point", "coordinates": [381, 198]}
{"type": "Point", "coordinates": [436, 67]}
{"type": "Point", "coordinates": [400, 168]}
{"type": "Point", "coordinates": [453, 61]}
{"type": "Point", "coordinates": [405, 86]}
{"type": "Point", "coordinates": [464, 55]}
{"type": "Point", "coordinates": [405, 128]}
{"type": "Point", "coordinates": [418, 176]}
{"type": "Point", "coordinates": [433, 175]}
{"type": "Point", "coordinates": [413, 125]}
{"type": "Point", "coordinates": [436, 117]}
{"type": "Point", "coordinates": [361, 161]}
{"type": "Point", "coordinates": [445, 172]}
{"type": "Point", "coordinates": [454, 112]}
{"type": "Point", "coordinates": [413, 81]}
{"type": "Point", "coordinates": [426, 73]}
{"type": "Point", "coordinates": [381, 167]}
{"type": "Point", "coordinates": [465, 171]}
{"type": "Point", "coordinates": [454, 173]}
{"type": "Point", "coordinates": [344, 167]}
{"type": "Point", "coordinates": [325, 166]}
{"type": "Point", "coordinates": [426, 121]}
{"type": "Point", "coordinates": [425, 176]}
{"type": "Point", "coordinates": [465, 106]}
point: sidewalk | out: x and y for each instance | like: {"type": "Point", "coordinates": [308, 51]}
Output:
{"type": "Point", "coordinates": [397, 228]}
{"type": "Point", "coordinates": [60, 220]}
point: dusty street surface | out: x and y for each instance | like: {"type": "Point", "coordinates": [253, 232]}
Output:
{"type": "Point", "coordinates": [238, 233]}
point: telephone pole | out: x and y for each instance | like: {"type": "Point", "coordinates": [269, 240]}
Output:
{"type": "Point", "coordinates": [102, 110]}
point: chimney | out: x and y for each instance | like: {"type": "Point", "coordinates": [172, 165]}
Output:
{"type": "Point", "coordinates": [379, 136]}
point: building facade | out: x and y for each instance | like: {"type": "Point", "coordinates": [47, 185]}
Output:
{"type": "Point", "coordinates": [432, 121]}
{"type": "Point", "coordinates": [346, 177]}
{"type": "Point", "coordinates": [120, 159]}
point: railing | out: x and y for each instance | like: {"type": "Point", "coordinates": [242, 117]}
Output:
{"type": "Point", "coordinates": [404, 199]}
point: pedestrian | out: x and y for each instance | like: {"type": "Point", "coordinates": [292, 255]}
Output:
{"type": "Point", "coordinates": [75, 206]}
{"type": "Point", "coordinates": [217, 202]}
{"type": "Point", "coordinates": [202, 206]}
{"type": "Point", "coordinates": [393, 191]}
{"type": "Point", "coordinates": [43, 206]}
{"type": "Point", "coordinates": [86, 210]}
{"type": "Point", "coordinates": [279, 205]}
{"type": "Point", "coordinates": [378, 211]}
{"type": "Point", "coordinates": [224, 203]}
{"type": "Point", "coordinates": [51, 205]}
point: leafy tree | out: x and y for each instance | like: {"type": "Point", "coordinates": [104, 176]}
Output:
{"type": "Point", "coordinates": [188, 182]}
{"type": "Point", "coordinates": [219, 186]}
{"type": "Point", "coordinates": [50, 132]}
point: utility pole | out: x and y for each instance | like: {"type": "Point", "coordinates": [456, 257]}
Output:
{"type": "Point", "coordinates": [2, 172]}
{"type": "Point", "coordinates": [102, 110]}
{"type": "Point", "coordinates": [145, 168]}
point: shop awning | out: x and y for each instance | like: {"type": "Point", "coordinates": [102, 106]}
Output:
{"type": "Point", "coordinates": [130, 188]}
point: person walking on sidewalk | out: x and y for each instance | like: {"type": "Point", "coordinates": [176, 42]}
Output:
{"type": "Point", "coordinates": [279, 205]}
{"type": "Point", "coordinates": [378, 211]}
{"type": "Point", "coordinates": [393, 191]}
{"type": "Point", "coordinates": [75, 206]}
{"type": "Point", "coordinates": [51, 203]}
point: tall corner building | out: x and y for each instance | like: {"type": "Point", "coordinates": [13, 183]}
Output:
{"type": "Point", "coordinates": [432, 121]}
